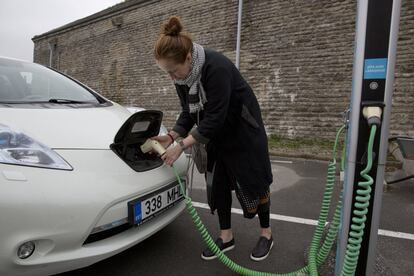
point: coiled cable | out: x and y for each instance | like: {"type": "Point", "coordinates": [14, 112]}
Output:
{"type": "Point", "coordinates": [359, 214]}
{"type": "Point", "coordinates": [317, 255]}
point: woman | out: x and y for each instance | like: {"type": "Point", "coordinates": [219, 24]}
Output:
{"type": "Point", "coordinates": [217, 100]}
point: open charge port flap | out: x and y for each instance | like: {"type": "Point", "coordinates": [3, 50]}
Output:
{"type": "Point", "coordinates": [132, 134]}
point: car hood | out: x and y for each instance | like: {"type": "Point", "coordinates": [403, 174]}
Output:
{"type": "Point", "coordinates": [68, 128]}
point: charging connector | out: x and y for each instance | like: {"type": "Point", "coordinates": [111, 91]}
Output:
{"type": "Point", "coordinates": [152, 145]}
{"type": "Point", "coordinates": [372, 114]}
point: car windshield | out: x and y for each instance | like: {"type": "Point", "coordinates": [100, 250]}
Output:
{"type": "Point", "coordinates": [24, 82]}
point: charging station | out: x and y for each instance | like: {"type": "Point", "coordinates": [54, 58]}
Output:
{"type": "Point", "coordinates": [373, 78]}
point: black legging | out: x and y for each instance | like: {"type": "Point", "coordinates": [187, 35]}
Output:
{"type": "Point", "coordinates": [225, 218]}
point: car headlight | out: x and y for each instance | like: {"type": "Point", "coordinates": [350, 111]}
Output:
{"type": "Point", "coordinates": [19, 149]}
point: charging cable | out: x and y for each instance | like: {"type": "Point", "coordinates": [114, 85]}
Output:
{"type": "Point", "coordinates": [362, 198]}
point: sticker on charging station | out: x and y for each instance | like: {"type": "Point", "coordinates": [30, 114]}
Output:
{"type": "Point", "coordinates": [375, 68]}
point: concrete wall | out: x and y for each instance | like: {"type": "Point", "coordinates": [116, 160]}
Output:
{"type": "Point", "coordinates": [296, 54]}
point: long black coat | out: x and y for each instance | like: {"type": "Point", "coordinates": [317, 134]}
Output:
{"type": "Point", "coordinates": [231, 123]}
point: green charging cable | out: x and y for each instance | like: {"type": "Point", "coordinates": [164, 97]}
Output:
{"type": "Point", "coordinates": [317, 255]}
{"type": "Point", "coordinates": [323, 215]}
{"type": "Point", "coordinates": [359, 214]}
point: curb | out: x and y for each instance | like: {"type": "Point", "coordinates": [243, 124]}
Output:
{"type": "Point", "coordinates": [322, 156]}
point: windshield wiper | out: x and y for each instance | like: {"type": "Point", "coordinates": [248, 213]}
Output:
{"type": "Point", "coordinates": [65, 101]}
{"type": "Point", "coordinates": [57, 101]}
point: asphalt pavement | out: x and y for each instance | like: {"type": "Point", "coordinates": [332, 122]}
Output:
{"type": "Point", "coordinates": [296, 196]}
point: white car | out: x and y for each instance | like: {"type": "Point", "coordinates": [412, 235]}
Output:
{"type": "Point", "coordinates": [75, 187]}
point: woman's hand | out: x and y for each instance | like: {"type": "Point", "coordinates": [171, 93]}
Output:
{"type": "Point", "coordinates": [172, 154]}
{"type": "Point", "coordinates": [164, 140]}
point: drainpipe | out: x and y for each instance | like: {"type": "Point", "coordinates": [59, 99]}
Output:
{"type": "Point", "coordinates": [52, 47]}
{"type": "Point", "coordinates": [50, 53]}
{"type": "Point", "coordinates": [239, 19]}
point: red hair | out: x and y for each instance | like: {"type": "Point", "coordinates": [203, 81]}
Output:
{"type": "Point", "coordinates": [173, 43]}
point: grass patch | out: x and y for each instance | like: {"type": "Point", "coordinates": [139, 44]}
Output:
{"type": "Point", "coordinates": [313, 148]}
{"type": "Point", "coordinates": [276, 141]}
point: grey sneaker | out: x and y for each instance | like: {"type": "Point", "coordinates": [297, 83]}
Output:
{"type": "Point", "coordinates": [262, 249]}
{"type": "Point", "coordinates": [224, 247]}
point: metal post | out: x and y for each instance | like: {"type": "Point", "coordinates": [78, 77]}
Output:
{"type": "Point", "coordinates": [382, 158]}
{"type": "Point", "coordinates": [373, 76]}
{"type": "Point", "coordinates": [352, 138]}
{"type": "Point", "coordinates": [239, 20]}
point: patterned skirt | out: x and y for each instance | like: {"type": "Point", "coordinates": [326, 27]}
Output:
{"type": "Point", "coordinates": [220, 181]}
{"type": "Point", "coordinates": [252, 205]}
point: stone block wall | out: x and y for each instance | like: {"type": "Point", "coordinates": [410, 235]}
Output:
{"type": "Point", "coordinates": [297, 55]}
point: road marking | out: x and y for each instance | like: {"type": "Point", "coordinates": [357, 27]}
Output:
{"type": "Point", "coordinates": [281, 161]}
{"type": "Point", "coordinates": [393, 234]}
{"type": "Point", "coordinates": [387, 233]}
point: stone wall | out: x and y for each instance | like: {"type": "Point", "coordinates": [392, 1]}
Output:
{"type": "Point", "coordinates": [296, 54]}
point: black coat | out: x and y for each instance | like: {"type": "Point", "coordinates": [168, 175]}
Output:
{"type": "Point", "coordinates": [231, 123]}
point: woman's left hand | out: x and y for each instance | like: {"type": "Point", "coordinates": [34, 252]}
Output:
{"type": "Point", "coordinates": [172, 154]}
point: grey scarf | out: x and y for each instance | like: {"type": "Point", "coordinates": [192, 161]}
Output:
{"type": "Point", "coordinates": [197, 95]}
